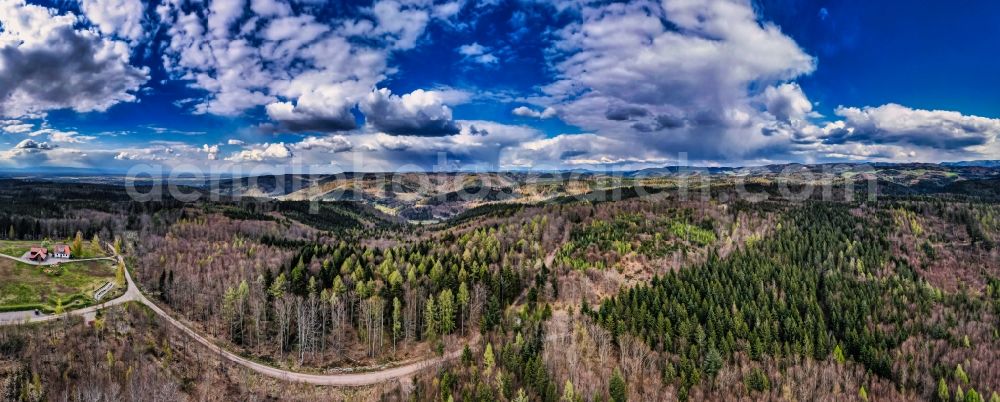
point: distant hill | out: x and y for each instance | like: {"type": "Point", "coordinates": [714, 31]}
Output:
{"type": "Point", "coordinates": [980, 163]}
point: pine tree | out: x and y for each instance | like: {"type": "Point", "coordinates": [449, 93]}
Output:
{"type": "Point", "coordinates": [617, 388]}
{"type": "Point", "coordinates": [569, 394]}
{"type": "Point", "coordinates": [430, 319]}
{"type": "Point", "coordinates": [446, 312]}
{"type": "Point", "coordinates": [961, 375]}
{"type": "Point", "coordinates": [713, 361]}
{"type": "Point", "coordinates": [838, 354]}
{"type": "Point", "coordinates": [488, 359]}
{"type": "Point", "coordinates": [942, 391]}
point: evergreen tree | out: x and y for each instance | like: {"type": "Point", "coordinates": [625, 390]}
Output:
{"type": "Point", "coordinates": [488, 359]}
{"type": "Point", "coordinates": [838, 354]}
{"type": "Point", "coordinates": [430, 319]}
{"type": "Point", "coordinates": [961, 375]}
{"type": "Point", "coordinates": [942, 391]}
{"type": "Point", "coordinates": [617, 388]}
{"type": "Point", "coordinates": [569, 395]}
{"type": "Point", "coordinates": [446, 312]}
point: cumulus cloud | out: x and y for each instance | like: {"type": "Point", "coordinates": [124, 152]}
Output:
{"type": "Point", "coordinates": [68, 137]}
{"type": "Point", "coordinates": [787, 102]}
{"type": "Point", "coordinates": [261, 153]}
{"type": "Point", "coordinates": [326, 108]}
{"type": "Point", "coordinates": [333, 144]}
{"type": "Point", "coordinates": [15, 126]}
{"type": "Point", "coordinates": [525, 111]}
{"type": "Point", "coordinates": [418, 113]}
{"type": "Point", "coordinates": [32, 144]}
{"type": "Point", "coordinates": [309, 65]}
{"type": "Point", "coordinates": [122, 18]}
{"type": "Point", "coordinates": [896, 124]}
{"type": "Point", "coordinates": [235, 142]}
{"type": "Point", "coordinates": [47, 64]}
{"type": "Point", "coordinates": [675, 75]}
{"type": "Point", "coordinates": [212, 151]}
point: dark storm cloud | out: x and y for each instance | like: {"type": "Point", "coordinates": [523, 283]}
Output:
{"type": "Point", "coordinates": [69, 69]}
{"type": "Point", "coordinates": [623, 113]}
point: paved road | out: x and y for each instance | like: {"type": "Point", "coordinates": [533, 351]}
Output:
{"type": "Point", "coordinates": [53, 260]}
{"type": "Point", "coordinates": [343, 380]}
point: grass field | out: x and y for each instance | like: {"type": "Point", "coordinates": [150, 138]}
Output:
{"type": "Point", "coordinates": [17, 248]}
{"type": "Point", "coordinates": [28, 287]}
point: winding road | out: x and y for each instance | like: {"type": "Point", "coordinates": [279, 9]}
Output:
{"type": "Point", "coordinates": [132, 294]}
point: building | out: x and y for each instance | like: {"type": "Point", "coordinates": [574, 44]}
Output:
{"type": "Point", "coordinates": [61, 251]}
{"type": "Point", "coordinates": [38, 254]}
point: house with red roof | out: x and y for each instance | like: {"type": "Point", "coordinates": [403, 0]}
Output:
{"type": "Point", "coordinates": [38, 254]}
{"type": "Point", "coordinates": [61, 251]}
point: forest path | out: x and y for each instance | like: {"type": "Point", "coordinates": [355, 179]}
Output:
{"type": "Point", "coordinates": [339, 379]}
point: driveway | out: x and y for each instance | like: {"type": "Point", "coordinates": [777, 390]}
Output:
{"type": "Point", "coordinates": [53, 260]}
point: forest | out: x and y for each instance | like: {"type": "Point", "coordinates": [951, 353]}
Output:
{"type": "Point", "coordinates": [644, 298]}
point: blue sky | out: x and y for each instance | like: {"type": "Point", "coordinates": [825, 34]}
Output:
{"type": "Point", "coordinates": [384, 85]}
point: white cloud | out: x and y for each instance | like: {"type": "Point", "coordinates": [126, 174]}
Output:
{"type": "Point", "coordinates": [477, 53]}
{"type": "Point", "coordinates": [122, 18]}
{"type": "Point", "coordinates": [235, 142]}
{"type": "Point", "coordinates": [262, 153]}
{"type": "Point", "coordinates": [896, 124]}
{"type": "Point", "coordinates": [212, 151]}
{"type": "Point", "coordinates": [333, 144]}
{"type": "Point", "coordinates": [420, 113]}
{"type": "Point", "coordinates": [47, 64]}
{"type": "Point", "coordinates": [525, 111]}
{"type": "Point", "coordinates": [675, 76]}
{"type": "Point", "coordinates": [472, 49]}
{"type": "Point", "coordinates": [309, 68]}
{"type": "Point", "coordinates": [31, 144]}
{"type": "Point", "coordinates": [400, 24]}
{"type": "Point", "coordinates": [68, 137]}
{"type": "Point", "coordinates": [787, 102]}
{"type": "Point", "coordinates": [325, 108]}
{"type": "Point", "coordinates": [270, 8]}
{"type": "Point", "coordinates": [15, 126]}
